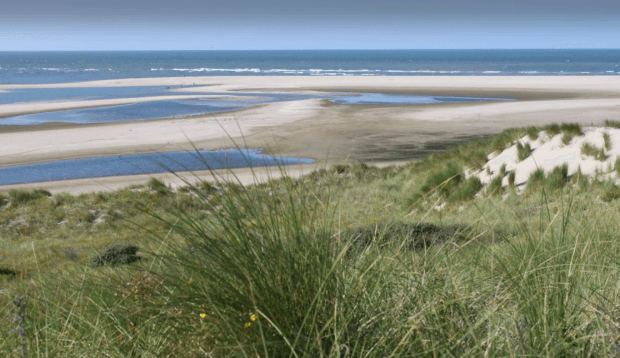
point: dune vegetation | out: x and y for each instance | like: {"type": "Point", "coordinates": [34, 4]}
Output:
{"type": "Point", "coordinates": [352, 261]}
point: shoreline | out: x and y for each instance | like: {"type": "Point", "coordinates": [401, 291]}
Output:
{"type": "Point", "coordinates": [326, 132]}
{"type": "Point", "coordinates": [243, 176]}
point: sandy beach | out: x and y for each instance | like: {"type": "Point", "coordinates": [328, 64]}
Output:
{"type": "Point", "coordinates": [316, 128]}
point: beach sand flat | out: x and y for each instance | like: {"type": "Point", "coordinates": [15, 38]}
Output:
{"type": "Point", "coordinates": [322, 130]}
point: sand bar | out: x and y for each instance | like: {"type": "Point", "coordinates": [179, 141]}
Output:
{"type": "Point", "coordinates": [325, 131]}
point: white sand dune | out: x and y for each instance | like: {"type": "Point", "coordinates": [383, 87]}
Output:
{"type": "Point", "coordinates": [549, 152]}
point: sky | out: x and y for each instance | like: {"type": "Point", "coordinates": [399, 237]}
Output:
{"type": "Point", "coordinates": [86, 25]}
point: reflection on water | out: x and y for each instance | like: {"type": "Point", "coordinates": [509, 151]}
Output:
{"type": "Point", "coordinates": [141, 164]}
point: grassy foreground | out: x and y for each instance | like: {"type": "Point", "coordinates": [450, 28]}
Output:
{"type": "Point", "coordinates": [353, 261]}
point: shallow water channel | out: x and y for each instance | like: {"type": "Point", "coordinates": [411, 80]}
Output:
{"type": "Point", "coordinates": [141, 164]}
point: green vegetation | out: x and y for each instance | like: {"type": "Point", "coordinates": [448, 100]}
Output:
{"type": "Point", "coordinates": [523, 151]}
{"type": "Point", "coordinates": [338, 263]}
{"type": "Point", "coordinates": [590, 150]}
{"type": "Point", "coordinates": [612, 124]}
{"type": "Point", "coordinates": [532, 132]}
{"type": "Point", "coordinates": [495, 185]}
{"type": "Point", "coordinates": [607, 140]}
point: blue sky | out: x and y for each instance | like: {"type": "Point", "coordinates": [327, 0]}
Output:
{"type": "Point", "coordinates": [320, 24]}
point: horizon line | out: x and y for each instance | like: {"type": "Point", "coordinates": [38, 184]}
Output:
{"type": "Point", "coordinates": [274, 50]}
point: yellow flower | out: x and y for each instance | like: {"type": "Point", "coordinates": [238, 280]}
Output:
{"type": "Point", "coordinates": [253, 317]}
{"type": "Point", "coordinates": [248, 324]}
{"type": "Point", "coordinates": [203, 315]}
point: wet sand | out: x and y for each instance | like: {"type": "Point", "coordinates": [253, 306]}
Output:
{"type": "Point", "coordinates": [320, 129]}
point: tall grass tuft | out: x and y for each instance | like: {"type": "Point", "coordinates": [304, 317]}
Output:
{"type": "Point", "coordinates": [557, 178]}
{"type": "Point", "coordinates": [590, 150]}
{"type": "Point", "coordinates": [523, 151]}
{"type": "Point", "coordinates": [495, 185]}
{"type": "Point", "coordinates": [511, 179]}
{"type": "Point", "coordinates": [607, 140]}
{"type": "Point", "coordinates": [553, 129]}
{"type": "Point", "coordinates": [532, 132]}
{"type": "Point", "coordinates": [466, 190]}
{"type": "Point", "coordinates": [535, 181]}
{"type": "Point", "coordinates": [269, 276]}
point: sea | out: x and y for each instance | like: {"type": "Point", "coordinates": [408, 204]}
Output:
{"type": "Point", "coordinates": [64, 67]}
{"type": "Point", "coordinates": [19, 68]}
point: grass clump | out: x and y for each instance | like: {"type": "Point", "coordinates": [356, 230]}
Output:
{"type": "Point", "coordinates": [511, 179]}
{"type": "Point", "coordinates": [495, 185]}
{"type": "Point", "coordinates": [553, 129]}
{"type": "Point", "coordinates": [532, 132]}
{"type": "Point", "coordinates": [158, 187]}
{"type": "Point", "coordinates": [590, 150]}
{"type": "Point", "coordinates": [442, 181]}
{"type": "Point", "coordinates": [612, 124]}
{"type": "Point", "coordinates": [570, 130]}
{"type": "Point", "coordinates": [557, 178]}
{"type": "Point", "coordinates": [610, 191]}
{"type": "Point", "coordinates": [466, 190]}
{"type": "Point", "coordinates": [18, 197]}
{"type": "Point", "coordinates": [535, 181]}
{"type": "Point", "coordinates": [523, 151]}
{"type": "Point", "coordinates": [607, 140]}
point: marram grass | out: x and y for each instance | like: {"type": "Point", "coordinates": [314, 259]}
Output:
{"type": "Point", "coordinates": [335, 264]}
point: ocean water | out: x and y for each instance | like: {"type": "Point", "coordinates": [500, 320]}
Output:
{"type": "Point", "coordinates": [63, 67]}
{"type": "Point", "coordinates": [141, 164]}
